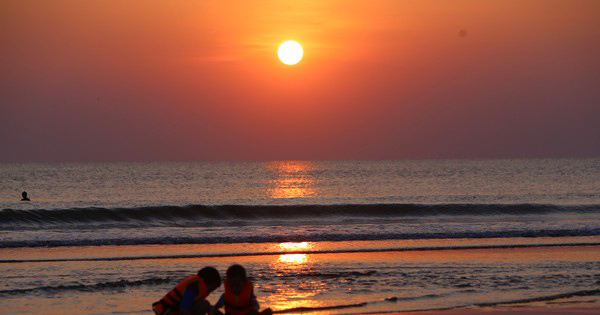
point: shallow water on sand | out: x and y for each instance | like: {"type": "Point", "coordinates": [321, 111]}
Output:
{"type": "Point", "coordinates": [392, 277]}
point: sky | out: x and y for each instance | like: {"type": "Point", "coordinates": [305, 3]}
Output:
{"type": "Point", "coordinates": [102, 80]}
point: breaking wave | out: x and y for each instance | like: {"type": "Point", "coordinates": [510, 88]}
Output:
{"type": "Point", "coordinates": [224, 215]}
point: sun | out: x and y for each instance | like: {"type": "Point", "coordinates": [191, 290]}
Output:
{"type": "Point", "coordinates": [290, 52]}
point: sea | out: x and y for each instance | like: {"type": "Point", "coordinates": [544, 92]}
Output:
{"type": "Point", "coordinates": [318, 237]}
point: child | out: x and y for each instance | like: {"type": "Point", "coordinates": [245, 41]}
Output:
{"type": "Point", "coordinates": [239, 298]}
{"type": "Point", "coordinates": [189, 296]}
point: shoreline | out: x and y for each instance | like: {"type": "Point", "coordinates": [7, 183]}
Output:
{"type": "Point", "coordinates": [240, 250]}
{"type": "Point", "coordinates": [574, 305]}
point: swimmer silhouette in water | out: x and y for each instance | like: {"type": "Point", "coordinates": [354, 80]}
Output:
{"type": "Point", "coordinates": [25, 198]}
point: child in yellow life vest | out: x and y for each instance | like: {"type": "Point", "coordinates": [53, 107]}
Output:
{"type": "Point", "coordinates": [189, 296]}
{"type": "Point", "coordinates": [239, 298]}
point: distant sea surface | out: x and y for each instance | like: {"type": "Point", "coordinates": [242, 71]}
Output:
{"type": "Point", "coordinates": [309, 231]}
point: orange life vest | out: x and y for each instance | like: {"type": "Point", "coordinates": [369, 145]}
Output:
{"type": "Point", "coordinates": [238, 304]}
{"type": "Point", "coordinates": [169, 304]}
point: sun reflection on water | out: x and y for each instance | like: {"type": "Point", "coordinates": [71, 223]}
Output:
{"type": "Point", "coordinates": [294, 261]}
{"type": "Point", "coordinates": [286, 297]}
{"type": "Point", "coordinates": [293, 258]}
{"type": "Point", "coordinates": [293, 179]}
{"type": "Point", "coordinates": [295, 245]}
{"type": "Point", "coordinates": [294, 291]}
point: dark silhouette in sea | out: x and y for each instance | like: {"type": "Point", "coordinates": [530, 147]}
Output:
{"type": "Point", "coordinates": [25, 198]}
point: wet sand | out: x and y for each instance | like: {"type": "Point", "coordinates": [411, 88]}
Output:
{"type": "Point", "coordinates": [508, 311]}
{"type": "Point", "coordinates": [286, 281]}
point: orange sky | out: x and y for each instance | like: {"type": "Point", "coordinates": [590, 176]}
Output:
{"type": "Point", "coordinates": [194, 80]}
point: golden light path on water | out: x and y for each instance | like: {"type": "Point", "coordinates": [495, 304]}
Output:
{"type": "Point", "coordinates": [293, 258]}
{"type": "Point", "coordinates": [287, 296]}
{"type": "Point", "coordinates": [296, 245]}
{"type": "Point", "coordinates": [293, 180]}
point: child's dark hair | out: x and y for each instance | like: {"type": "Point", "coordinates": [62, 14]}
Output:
{"type": "Point", "coordinates": [236, 271]}
{"type": "Point", "coordinates": [211, 276]}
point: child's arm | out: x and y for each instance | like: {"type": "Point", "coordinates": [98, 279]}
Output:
{"type": "Point", "coordinates": [187, 301]}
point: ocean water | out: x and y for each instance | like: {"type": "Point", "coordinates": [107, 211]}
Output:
{"type": "Point", "coordinates": [337, 237]}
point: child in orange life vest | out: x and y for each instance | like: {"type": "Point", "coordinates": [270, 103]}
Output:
{"type": "Point", "coordinates": [189, 296]}
{"type": "Point", "coordinates": [239, 298]}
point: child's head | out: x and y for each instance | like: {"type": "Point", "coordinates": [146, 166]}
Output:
{"type": "Point", "coordinates": [236, 275]}
{"type": "Point", "coordinates": [211, 277]}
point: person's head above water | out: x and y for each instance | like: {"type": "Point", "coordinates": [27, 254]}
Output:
{"type": "Point", "coordinates": [24, 195]}
{"type": "Point", "coordinates": [236, 276]}
{"type": "Point", "coordinates": [211, 277]}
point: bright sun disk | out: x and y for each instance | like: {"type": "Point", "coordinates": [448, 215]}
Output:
{"type": "Point", "coordinates": [290, 52]}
